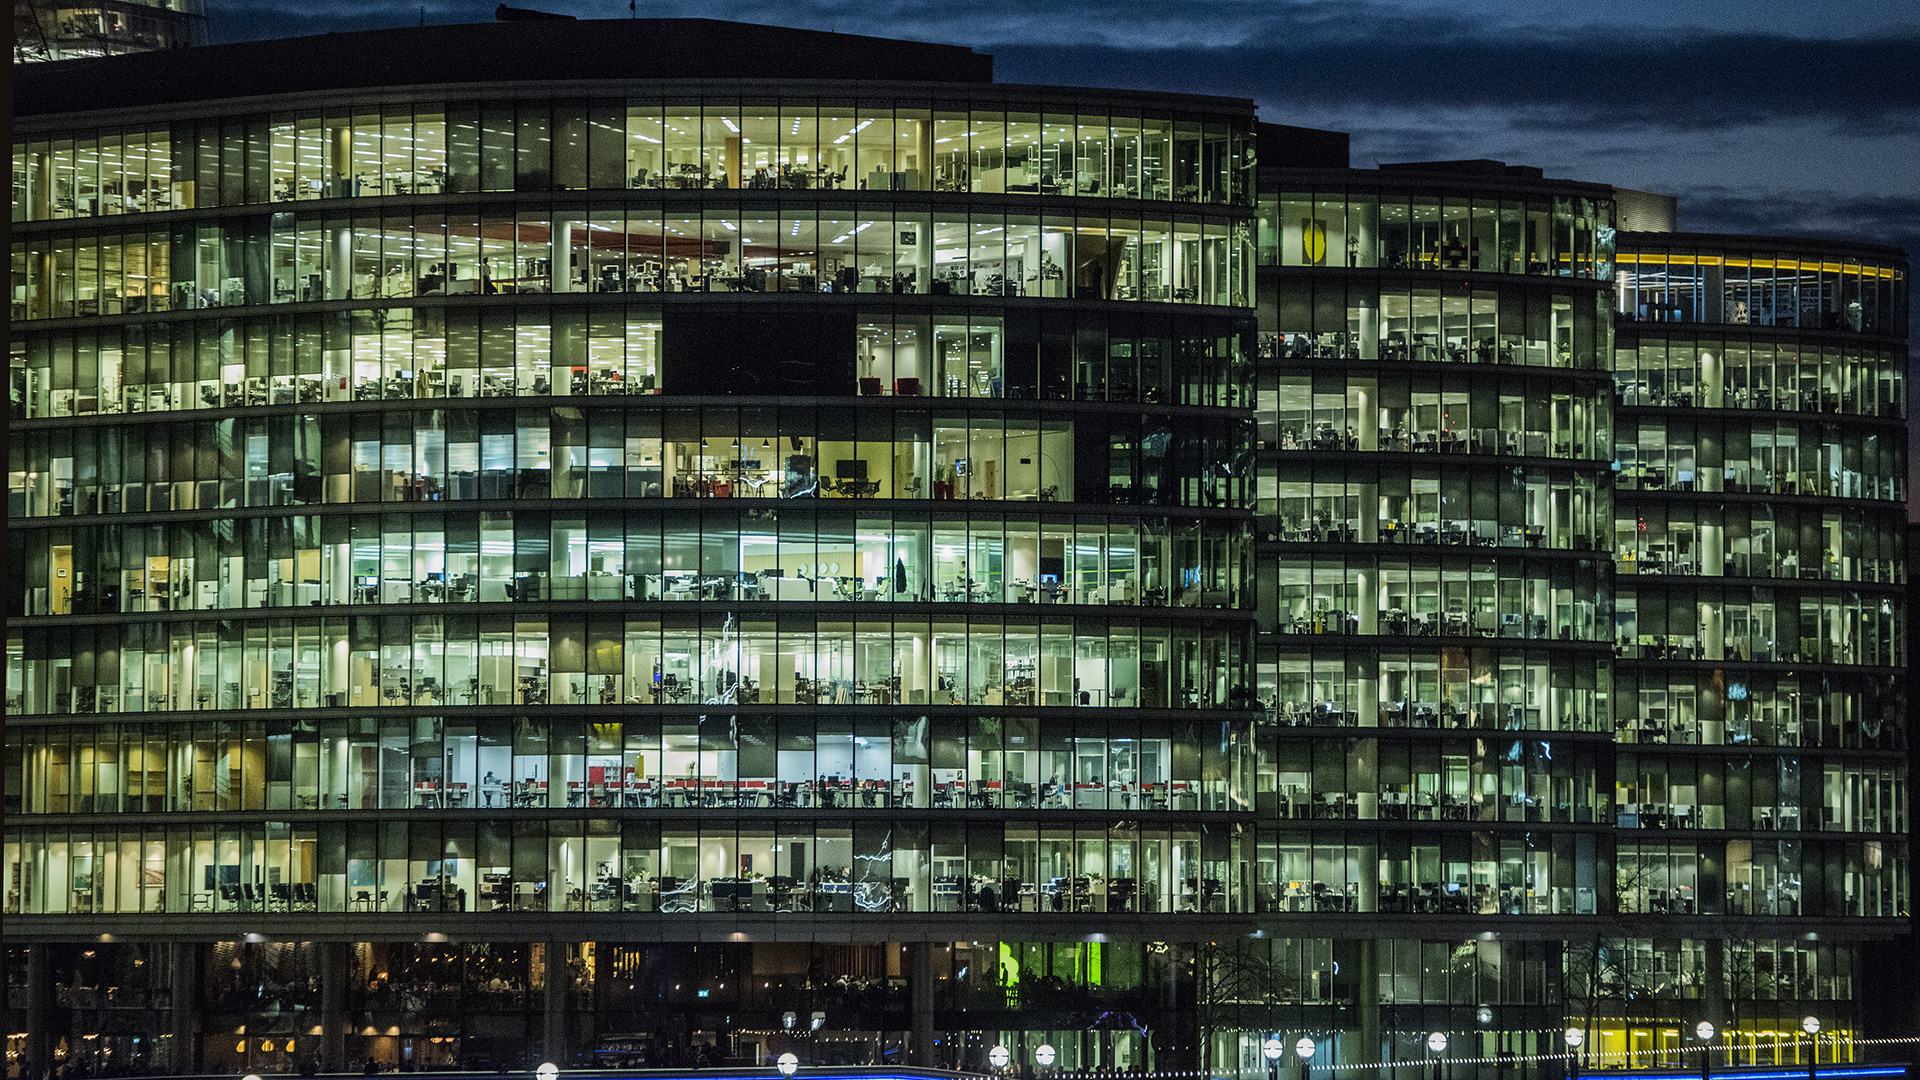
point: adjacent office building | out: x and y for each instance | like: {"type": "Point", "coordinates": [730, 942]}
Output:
{"type": "Point", "coordinates": [520, 554]}
{"type": "Point", "coordinates": [67, 30]}
{"type": "Point", "coordinates": [1596, 536]}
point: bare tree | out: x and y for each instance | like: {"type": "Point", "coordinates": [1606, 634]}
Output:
{"type": "Point", "coordinates": [1604, 970]}
{"type": "Point", "coordinates": [1228, 976]}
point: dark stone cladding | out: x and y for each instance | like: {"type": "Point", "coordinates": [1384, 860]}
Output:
{"type": "Point", "coordinates": [516, 52]}
{"type": "Point", "coordinates": [1445, 177]}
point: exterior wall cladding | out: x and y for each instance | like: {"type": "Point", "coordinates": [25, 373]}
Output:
{"type": "Point", "coordinates": [874, 562]}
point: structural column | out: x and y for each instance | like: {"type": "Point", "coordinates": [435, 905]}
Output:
{"type": "Point", "coordinates": [555, 967]}
{"type": "Point", "coordinates": [921, 979]}
{"type": "Point", "coordinates": [1369, 998]}
{"type": "Point", "coordinates": [334, 958]}
{"type": "Point", "coordinates": [39, 990]}
{"type": "Point", "coordinates": [341, 159]}
{"type": "Point", "coordinates": [185, 1025]}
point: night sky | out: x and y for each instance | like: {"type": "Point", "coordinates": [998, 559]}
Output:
{"type": "Point", "coordinates": [1769, 116]}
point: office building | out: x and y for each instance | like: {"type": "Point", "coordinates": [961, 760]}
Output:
{"type": "Point", "coordinates": [56, 30]}
{"type": "Point", "coordinates": [1760, 621]}
{"type": "Point", "coordinates": [882, 564]}
{"type": "Point", "coordinates": [1526, 494]}
{"type": "Point", "coordinates": [819, 534]}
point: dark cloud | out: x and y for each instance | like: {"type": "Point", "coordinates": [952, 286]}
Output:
{"type": "Point", "coordinates": [1603, 84]}
{"type": "Point", "coordinates": [1889, 219]}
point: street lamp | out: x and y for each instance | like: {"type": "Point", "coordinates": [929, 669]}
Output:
{"type": "Point", "coordinates": [1043, 1055]}
{"type": "Point", "coordinates": [787, 1064]}
{"type": "Point", "coordinates": [547, 1070]}
{"type": "Point", "coordinates": [1273, 1048]}
{"type": "Point", "coordinates": [1811, 1025]}
{"type": "Point", "coordinates": [1437, 1042]}
{"type": "Point", "coordinates": [1305, 1048]}
{"type": "Point", "coordinates": [999, 1056]}
{"type": "Point", "coordinates": [1704, 1032]}
{"type": "Point", "coordinates": [1574, 1037]}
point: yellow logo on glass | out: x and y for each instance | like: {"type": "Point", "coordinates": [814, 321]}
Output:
{"type": "Point", "coordinates": [1313, 241]}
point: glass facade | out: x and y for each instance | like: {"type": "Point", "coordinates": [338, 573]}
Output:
{"type": "Point", "coordinates": [632, 507]}
{"type": "Point", "coordinates": [622, 574]}
{"type": "Point", "coordinates": [1745, 284]}
{"type": "Point", "coordinates": [1697, 716]}
{"type": "Point", "coordinates": [1183, 152]}
{"type": "Point", "coordinates": [751, 251]}
{"type": "Point", "coordinates": [1761, 614]}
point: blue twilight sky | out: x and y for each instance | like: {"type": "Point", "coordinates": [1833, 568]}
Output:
{"type": "Point", "coordinates": [1771, 116]}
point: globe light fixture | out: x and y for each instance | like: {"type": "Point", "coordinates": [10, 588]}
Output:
{"type": "Point", "coordinates": [1273, 1048]}
{"type": "Point", "coordinates": [1704, 1031]}
{"type": "Point", "coordinates": [1305, 1048]}
{"type": "Point", "coordinates": [547, 1070]}
{"type": "Point", "coordinates": [1044, 1055]}
{"type": "Point", "coordinates": [787, 1064]}
{"type": "Point", "coordinates": [1810, 1025]}
{"type": "Point", "coordinates": [998, 1057]}
{"type": "Point", "coordinates": [1437, 1042]}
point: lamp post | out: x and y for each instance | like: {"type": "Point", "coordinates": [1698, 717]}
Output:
{"type": "Point", "coordinates": [1484, 1016]}
{"type": "Point", "coordinates": [1574, 1037]}
{"type": "Point", "coordinates": [1305, 1048]}
{"type": "Point", "coordinates": [787, 1064]}
{"type": "Point", "coordinates": [1704, 1032]}
{"type": "Point", "coordinates": [1437, 1043]}
{"type": "Point", "coordinates": [1044, 1056]}
{"type": "Point", "coordinates": [999, 1056]}
{"type": "Point", "coordinates": [547, 1070]}
{"type": "Point", "coordinates": [1811, 1025]}
{"type": "Point", "coordinates": [1273, 1048]}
